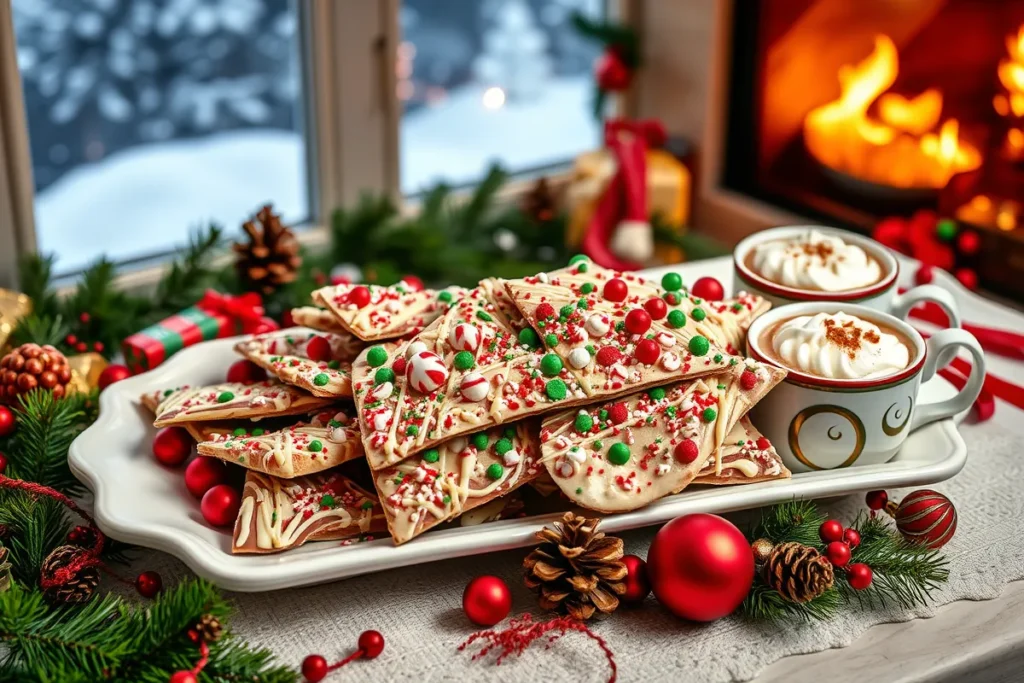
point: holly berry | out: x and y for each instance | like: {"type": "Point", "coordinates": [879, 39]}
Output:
{"type": "Point", "coordinates": [968, 242]}
{"type": "Point", "coordinates": [615, 289]}
{"type": "Point", "coordinates": [71, 340]}
{"type": "Point", "coordinates": [318, 349]}
{"type": "Point", "coordinates": [148, 584]}
{"type": "Point", "coordinates": [968, 278]}
{"type": "Point", "coordinates": [876, 500]}
{"type": "Point", "coordinates": [84, 318]}
{"type": "Point", "coordinates": [220, 505]}
{"type": "Point", "coordinates": [638, 321]}
{"type": "Point", "coordinates": [98, 347]}
{"type": "Point", "coordinates": [203, 473]}
{"type": "Point", "coordinates": [656, 308]}
{"type": "Point", "coordinates": [608, 355]}
{"type": "Point", "coordinates": [647, 351]}
{"type": "Point", "coordinates": [838, 553]}
{"type": "Point", "coordinates": [6, 421]}
{"type": "Point", "coordinates": [686, 451]}
{"type": "Point", "coordinates": [830, 531]}
{"type": "Point", "coordinates": [314, 668]}
{"type": "Point", "coordinates": [371, 644]}
{"type": "Point", "coordinates": [924, 275]}
{"type": "Point", "coordinates": [81, 347]}
{"type": "Point", "coordinates": [111, 374]}
{"type": "Point", "coordinates": [748, 380]}
{"type": "Point", "coordinates": [859, 576]}
{"type": "Point", "coordinates": [172, 446]}
{"type": "Point", "coordinates": [708, 288]}
{"type": "Point", "coordinates": [246, 372]}
{"type": "Point", "coordinates": [359, 296]}
{"type": "Point", "coordinates": [611, 72]}
{"type": "Point", "coordinates": [852, 538]}
{"type": "Point", "coordinates": [618, 413]}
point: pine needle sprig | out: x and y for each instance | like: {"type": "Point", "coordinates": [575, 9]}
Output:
{"type": "Point", "coordinates": [39, 327]}
{"type": "Point", "coordinates": [35, 526]}
{"type": "Point", "coordinates": [190, 274]}
{"type": "Point", "coordinates": [35, 276]}
{"type": "Point", "coordinates": [46, 427]}
{"type": "Point", "coordinates": [797, 521]}
{"type": "Point", "coordinates": [766, 604]}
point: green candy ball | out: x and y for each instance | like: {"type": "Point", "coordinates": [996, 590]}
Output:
{"type": "Point", "coordinates": [578, 258]}
{"type": "Point", "coordinates": [698, 314]}
{"type": "Point", "coordinates": [383, 375]}
{"type": "Point", "coordinates": [556, 389]}
{"type": "Point", "coordinates": [503, 446]}
{"type": "Point", "coordinates": [946, 229]}
{"type": "Point", "coordinates": [495, 470]}
{"type": "Point", "coordinates": [566, 311]}
{"type": "Point", "coordinates": [656, 394]}
{"type": "Point", "coordinates": [431, 456]}
{"type": "Point", "coordinates": [376, 356]}
{"type": "Point", "coordinates": [480, 441]}
{"type": "Point", "coordinates": [699, 345]}
{"type": "Point", "coordinates": [583, 423]}
{"type": "Point", "coordinates": [464, 360]}
{"type": "Point", "coordinates": [709, 414]}
{"type": "Point", "coordinates": [528, 337]}
{"type": "Point", "coordinates": [676, 319]}
{"type": "Point", "coordinates": [551, 339]}
{"type": "Point", "coordinates": [673, 282]}
{"type": "Point", "coordinates": [618, 454]}
{"type": "Point", "coordinates": [321, 380]}
{"type": "Point", "coordinates": [550, 365]}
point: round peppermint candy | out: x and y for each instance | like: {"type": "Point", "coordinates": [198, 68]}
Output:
{"type": "Point", "coordinates": [473, 387]}
{"type": "Point", "coordinates": [597, 325]}
{"type": "Point", "coordinates": [426, 372]}
{"type": "Point", "coordinates": [464, 337]}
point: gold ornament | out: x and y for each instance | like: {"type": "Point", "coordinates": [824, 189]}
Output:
{"type": "Point", "coordinates": [13, 305]}
{"type": "Point", "coordinates": [85, 371]}
{"type": "Point", "coordinates": [762, 548]}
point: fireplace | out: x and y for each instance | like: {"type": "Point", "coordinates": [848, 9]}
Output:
{"type": "Point", "coordinates": [849, 112]}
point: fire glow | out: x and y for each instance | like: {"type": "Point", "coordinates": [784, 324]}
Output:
{"type": "Point", "coordinates": [904, 144]}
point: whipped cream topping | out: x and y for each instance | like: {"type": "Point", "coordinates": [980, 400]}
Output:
{"type": "Point", "coordinates": [816, 260]}
{"type": "Point", "coordinates": [839, 346]}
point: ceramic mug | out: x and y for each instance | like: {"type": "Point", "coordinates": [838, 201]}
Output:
{"type": "Point", "coordinates": [817, 423]}
{"type": "Point", "coordinates": [881, 296]}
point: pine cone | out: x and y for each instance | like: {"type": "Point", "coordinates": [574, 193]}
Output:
{"type": "Point", "coordinates": [81, 586]}
{"type": "Point", "coordinates": [798, 572]}
{"type": "Point", "coordinates": [208, 630]}
{"type": "Point", "coordinates": [539, 203]}
{"type": "Point", "coordinates": [576, 569]}
{"type": "Point", "coordinates": [270, 258]}
{"type": "Point", "coordinates": [31, 366]}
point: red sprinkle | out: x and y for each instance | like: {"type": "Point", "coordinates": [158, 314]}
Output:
{"type": "Point", "coordinates": [763, 443]}
{"type": "Point", "coordinates": [686, 451]}
{"type": "Point", "coordinates": [748, 380]}
{"type": "Point", "coordinates": [608, 355]}
{"type": "Point", "coordinates": [618, 413]}
{"type": "Point", "coordinates": [545, 310]}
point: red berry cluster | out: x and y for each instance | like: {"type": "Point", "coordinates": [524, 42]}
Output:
{"type": "Point", "coordinates": [839, 545]}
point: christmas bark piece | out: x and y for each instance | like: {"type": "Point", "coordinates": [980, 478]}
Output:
{"type": "Point", "coordinates": [618, 332]}
{"type": "Point", "coordinates": [207, 431]}
{"type": "Point", "coordinates": [278, 514]}
{"type": "Point", "coordinates": [317, 319]}
{"type": "Point", "coordinates": [233, 400]}
{"type": "Point", "coordinates": [319, 362]}
{"type": "Point", "coordinates": [728, 320]}
{"type": "Point", "coordinates": [747, 456]}
{"type": "Point", "coordinates": [456, 476]}
{"type": "Point", "coordinates": [373, 312]}
{"type": "Point", "coordinates": [477, 366]}
{"type": "Point", "coordinates": [326, 441]}
{"type": "Point", "coordinates": [629, 452]}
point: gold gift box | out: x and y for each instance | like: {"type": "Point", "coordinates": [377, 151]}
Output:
{"type": "Point", "coordinates": [13, 305]}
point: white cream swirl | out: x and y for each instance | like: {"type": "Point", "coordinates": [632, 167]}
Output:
{"type": "Point", "coordinates": [816, 260]}
{"type": "Point", "coordinates": [839, 346]}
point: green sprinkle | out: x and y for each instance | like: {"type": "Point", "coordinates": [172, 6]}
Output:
{"type": "Point", "coordinates": [718, 358]}
{"type": "Point", "coordinates": [376, 356]}
{"type": "Point", "coordinates": [721, 386]}
{"type": "Point", "coordinates": [566, 310]}
{"type": "Point", "coordinates": [383, 375]}
{"type": "Point", "coordinates": [502, 446]}
{"type": "Point", "coordinates": [224, 397]}
{"type": "Point", "coordinates": [485, 316]}
{"type": "Point", "coordinates": [709, 414]}
{"type": "Point", "coordinates": [273, 517]}
{"type": "Point", "coordinates": [446, 499]}
{"type": "Point", "coordinates": [315, 446]}
{"type": "Point", "coordinates": [333, 423]}
{"type": "Point", "coordinates": [618, 454]}
{"type": "Point", "coordinates": [584, 423]}
{"type": "Point", "coordinates": [698, 314]}
{"type": "Point", "coordinates": [732, 361]}
{"type": "Point", "coordinates": [259, 431]}
{"type": "Point", "coordinates": [412, 430]}
{"type": "Point", "coordinates": [670, 411]}
{"type": "Point", "coordinates": [620, 326]}
{"type": "Point", "coordinates": [598, 444]}
{"type": "Point", "coordinates": [602, 414]}
{"type": "Point", "coordinates": [239, 431]}
{"type": "Point", "coordinates": [578, 258]}
{"type": "Point", "coordinates": [737, 307]}
{"type": "Point", "coordinates": [367, 504]}
{"type": "Point", "coordinates": [528, 337]}
{"type": "Point", "coordinates": [550, 364]}
{"type": "Point", "coordinates": [321, 379]}
{"type": "Point", "coordinates": [591, 350]}
{"type": "Point", "coordinates": [946, 229]}
{"type": "Point", "coordinates": [551, 340]}
{"type": "Point", "coordinates": [582, 268]}
{"type": "Point", "coordinates": [699, 345]}
{"type": "Point", "coordinates": [168, 392]}
{"type": "Point", "coordinates": [579, 490]}
{"type": "Point", "coordinates": [480, 441]}
{"type": "Point", "coordinates": [464, 360]}
{"type": "Point", "coordinates": [555, 389]}
{"type": "Point", "coordinates": [656, 394]}
{"type": "Point", "coordinates": [582, 304]}
{"type": "Point", "coordinates": [587, 287]}
{"type": "Point", "coordinates": [241, 458]}
{"type": "Point", "coordinates": [327, 501]}
{"type": "Point", "coordinates": [445, 297]}
{"type": "Point", "coordinates": [431, 456]}
{"type": "Point", "coordinates": [333, 364]}
{"type": "Point", "coordinates": [672, 282]}
{"type": "Point", "coordinates": [509, 433]}
{"type": "Point", "coordinates": [495, 470]}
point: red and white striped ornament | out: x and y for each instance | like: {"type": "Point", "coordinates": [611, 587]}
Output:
{"type": "Point", "coordinates": [926, 517]}
{"type": "Point", "coordinates": [426, 372]}
{"type": "Point", "coordinates": [474, 387]}
{"type": "Point", "coordinates": [464, 337]}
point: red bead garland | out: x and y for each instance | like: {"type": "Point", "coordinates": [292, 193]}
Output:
{"type": "Point", "coordinates": [369, 646]}
{"type": "Point", "coordinates": [6, 421]}
{"type": "Point", "coordinates": [246, 372]}
{"type": "Point", "coordinates": [486, 600]}
{"type": "Point", "coordinates": [615, 289]}
{"type": "Point", "coordinates": [851, 537]}
{"type": "Point", "coordinates": [371, 643]}
{"type": "Point", "coordinates": [638, 587]}
{"type": "Point", "coordinates": [838, 553]}
{"type": "Point", "coordinates": [203, 473]}
{"type": "Point", "coordinates": [172, 446]}
{"type": "Point", "coordinates": [148, 584]}
{"type": "Point", "coordinates": [220, 505]}
{"type": "Point", "coordinates": [314, 668]}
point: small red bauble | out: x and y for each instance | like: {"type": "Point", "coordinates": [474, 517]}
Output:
{"type": "Point", "coordinates": [148, 584]}
{"type": "Point", "coordinates": [686, 451]}
{"type": "Point", "coordinates": [611, 72]}
{"type": "Point", "coordinates": [656, 308]}
{"type": "Point", "coordinates": [851, 537]}
{"type": "Point", "coordinates": [318, 349]}
{"type": "Point", "coordinates": [84, 318]}
{"type": "Point", "coordinates": [3, 463]}
{"type": "Point", "coordinates": [859, 576]}
{"type": "Point", "coordinates": [926, 517]}
{"type": "Point", "coordinates": [838, 553]}
{"type": "Point", "coordinates": [967, 277]}
{"type": "Point", "coordinates": [876, 500]}
{"type": "Point", "coordinates": [314, 668]}
{"type": "Point", "coordinates": [637, 585]}
{"type": "Point", "coordinates": [172, 446]}
{"type": "Point", "coordinates": [968, 242]}
{"type": "Point", "coordinates": [246, 372]}
{"type": "Point", "coordinates": [608, 355]}
{"type": "Point", "coordinates": [486, 600]}
{"type": "Point", "coordinates": [615, 289]}
{"type": "Point", "coordinates": [220, 505]}
{"type": "Point", "coordinates": [830, 531]}
{"type": "Point", "coordinates": [81, 347]}
{"type": "Point", "coordinates": [6, 421]}
{"type": "Point", "coordinates": [371, 643]}
{"type": "Point", "coordinates": [82, 536]}
{"type": "Point", "coordinates": [638, 321]}
{"type": "Point", "coordinates": [71, 340]}
{"type": "Point", "coordinates": [647, 351]}
{"type": "Point", "coordinates": [924, 275]}
{"type": "Point", "coordinates": [203, 473]}
{"type": "Point", "coordinates": [183, 677]}
{"type": "Point", "coordinates": [700, 567]}
{"type": "Point", "coordinates": [545, 311]}
{"type": "Point", "coordinates": [98, 347]}
{"type": "Point", "coordinates": [618, 413]}
{"type": "Point", "coordinates": [413, 283]}
{"type": "Point", "coordinates": [359, 296]}
{"type": "Point", "coordinates": [748, 380]}
{"type": "Point", "coordinates": [707, 288]}
{"type": "Point", "coordinates": [111, 374]}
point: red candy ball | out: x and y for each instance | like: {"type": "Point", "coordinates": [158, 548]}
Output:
{"type": "Point", "coordinates": [246, 372]}
{"type": "Point", "coordinates": [360, 296]}
{"type": "Point", "coordinates": [638, 321]}
{"type": "Point", "coordinates": [618, 413]}
{"type": "Point", "coordinates": [172, 446]}
{"type": "Point", "coordinates": [852, 538]}
{"type": "Point", "coordinates": [926, 517]}
{"type": "Point", "coordinates": [314, 668]}
{"type": "Point", "coordinates": [6, 421]}
{"type": "Point", "coordinates": [924, 275]}
{"type": "Point", "coordinates": [81, 347]}
{"type": "Point", "coordinates": [608, 355]}
{"type": "Point", "coordinates": [876, 500]}
{"type": "Point", "coordinates": [318, 349]}
{"type": "Point", "coordinates": [203, 473]}
{"type": "Point", "coordinates": [637, 585]}
{"type": "Point", "coordinates": [967, 277]}
{"type": "Point", "coordinates": [148, 584]}
{"type": "Point", "coordinates": [830, 531]}
{"type": "Point", "coordinates": [220, 505]}
{"type": "Point", "coordinates": [545, 311]}
{"type": "Point", "coordinates": [656, 308]}
{"type": "Point", "coordinates": [398, 367]}
{"type": "Point", "coordinates": [707, 288]}
{"type": "Point", "coordinates": [763, 443]}
{"type": "Point", "coordinates": [111, 374]}
{"type": "Point", "coordinates": [647, 351]}
{"type": "Point", "coordinates": [486, 600]}
{"type": "Point", "coordinates": [686, 451]}
{"type": "Point", "coordinates": [838, 553]}
{"type": "Point", "coordinates": [414, 284]}
{"type": "Point", "coordinates": [748, 380]}
{"type": "Point", "coordinates": [615, 289]}
{"type": "Point", "coordinates": [372, 643]}
{"type": "Point", "coordinates": [183, 677]}
{"type": "Point", "coordinates": [700, 567]}
{"type": "Point", "coordinates": [859, 576]}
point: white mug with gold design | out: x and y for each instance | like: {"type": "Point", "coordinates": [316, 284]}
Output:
{"type": "Point", "coordinates": [816, 423]}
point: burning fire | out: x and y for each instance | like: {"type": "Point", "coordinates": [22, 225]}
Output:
{"type": "Point", "coordinates": [1010, 104]}
{"type": "Point", "coordinates": [904, 145]}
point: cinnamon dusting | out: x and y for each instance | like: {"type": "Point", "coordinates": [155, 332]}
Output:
{"type": "Point", "coordinates": [847, 336]}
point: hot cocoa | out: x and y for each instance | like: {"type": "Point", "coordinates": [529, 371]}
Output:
{"type": "Point", "coordinates": [816, 261]}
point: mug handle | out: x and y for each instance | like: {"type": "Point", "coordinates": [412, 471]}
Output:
{"type": "Point", "coordinates": [902, 303]}
{"type": "Point", "coordinates": [942, 343]}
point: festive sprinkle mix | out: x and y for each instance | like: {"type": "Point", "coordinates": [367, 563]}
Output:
{"type": "Point", "coordinates": [502, 446]}
{"type": "Point", "coordinates": [656, 394]}
{"type": "Point", "coordinates": [480, 441]}
{"type": "Point", "coordinates": [699, 345]}
{"type": "Point", "coordinates": [618, 454]}
{"type": "Point", "coordinates": [315, 446]}
{"type": "Point", "coordinates": [528, 337]}
{"type": "Point", "coordinates": [464, 360]}
{"type": "Point", "coordinates": [555, 389]}
{"type": "Point", "coordinates": [485, 316]}
{"type": "Point", "coordinates": [224, 397]}
{"type": "Point", "coordinates": [321, 379]}
{"type": "Point", "coordinates": [239, 431]}
{"type": "Point", "coordinates": [431, 456]}
{"type": "Point", "coordinates": [672, 281]}
{"type": "Point", "coordinates": [587, 287]}
{"type": "Point", "coordinates": [445, 297]}
{"type": "Point", "coordinates": [376, 356]}
{"type": "Point", "coordinates": [258, 431]}
{"type": "Point", "coordinates": [383, 375]}
{"type": "Point", "coordinates": [412, 430]}
{"type": "Point", "coordinates": [676, 318]}
{"type": "Point", "coordinates": [698, 314]}
{"type": "Point", "coordinates": [550, 364]}
{"type": "Point", "coordinates": [551, 340]}
{"type": "Point", "coordinates": [327, 500]}
{"type": "Point", "coordinates": [709, 414]}
{"type": "Point", "coordinates": [578, 258]}
{"type": "Point", "coordinates": [583, 423]}
{"type": "Point", "coordinates": [566, 310]}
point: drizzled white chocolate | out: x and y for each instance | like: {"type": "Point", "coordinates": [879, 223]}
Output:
{"type": "Point", "coordinates": [318, 319]}
{"type": "Point", "coordinates": [285, 354]}
{"type": "Point", "coordinates": [394, 311]}
{"type": "Point", "coordinates": [816, 260]}
{"type": "Point", "coordinates": [838, 346]}
{"type": "Point", "coordinates": [746, 457]}
{"type": "Point", "coordinates": [234, 400]}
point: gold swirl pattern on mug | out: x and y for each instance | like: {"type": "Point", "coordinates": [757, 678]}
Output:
{"type": "Point", "coordinates": [893, 430]}
{"type": "Point", "coordinates": [834, 432]}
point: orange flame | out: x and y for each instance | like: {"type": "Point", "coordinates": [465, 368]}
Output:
{"type": "Point", "coordinates": [1011, 103]}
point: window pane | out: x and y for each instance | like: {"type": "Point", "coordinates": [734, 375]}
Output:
{"type": "Point", "coordinates": [497, 80]}
{"type": "Point", "coordinates": [150, 117]}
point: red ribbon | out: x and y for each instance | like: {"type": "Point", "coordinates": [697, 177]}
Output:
{"type": "Point", "coordinates": [245, 309]}
{"type": "Point", "coordinates": [652, 131]}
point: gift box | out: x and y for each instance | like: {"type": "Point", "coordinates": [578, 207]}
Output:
{"type": "Point", "coordinates": [215, 316]}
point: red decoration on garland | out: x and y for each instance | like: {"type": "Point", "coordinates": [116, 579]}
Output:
{"type": "Point", "coordinates": [859, 576]}
{"type": "Point", "coordinates": [369, 646]}
{"type": "Point", "coordinates": [615, 289]}
{"type": "Point", "coordinates": [192, 676]}
{"type": "Point", "coordinates": [638, 587]}
{"type": "Point", "coordinates": [82, 536]}
{"type": "Point", "coordinates": [851, 537]}
{"type": "Point", "coordinates": [111, 374]}
{"type": "Point", "coordinates": [831, 530]}
{"type": "Point", "coordinates": [246, 372]}
{"type": "Point", "coordinates": [486, 600]}
{"type": "Point", "coordinates": [522, 631]}
{"type": "Point", "coordinates": [149, 584]}
{"type": "Point", "coordinates": [220, 505]}
{"type": "Point", "coordinates": [708, 288]}
{"type": "Point", "coordinates": [611, 72]}
{"type": "Point", "coordinates": [172, 446]}
{"type": "Point", "coordinates": [203, 473]}
{"type": "Point", "coordinates": [638, 321]}
{"type": "Point", "coordinates": [6, 421]}
{"type": "Point", "coordinates": [656, 308]}
{"type": "Point", "coordinates": [926, 517]}
{"type": "Point", "coordinates": [700, 566]}
{"type": "Point", "coordinates": [838, 553]}
{"type": "Point", "coordinates": [314, 668]}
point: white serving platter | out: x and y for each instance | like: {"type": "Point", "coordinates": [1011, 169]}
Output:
{"type": "Point", "coordinates": [139, 501]}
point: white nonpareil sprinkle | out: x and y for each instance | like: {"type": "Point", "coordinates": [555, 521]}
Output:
{"type": "Point", "coordinates": [511, 458]}
{"type": "Point", "coordinates": [662, 469]}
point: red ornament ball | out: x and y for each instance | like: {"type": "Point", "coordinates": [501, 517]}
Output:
{"type": "Point", "coordinates": [246, 372]}
{"type": "Point", "coordinates": [359, 296]}
{"type": "Point", "coordinates": [748, 380]}
{"type": "Point", "coordinates": [618, 413]}
{"type": "Point", "coordinates": [611, 72]}
{"type": "Point", "coordinates": [413, 283]}
{"type": "Point", "coordinates": [926, 517]}
{"type": "Point", "coordinates": [183, 677]}
{"type": "Point", "coordinates": [637, 585]}
{"type": "Point", "coordinates": [486, 600]}
{"type": "Point", "coordinates": [111, 374]}
{"type": "Point", "coordinates": [71, 340]}
{"type": "Point", "coordinates": [647, 351]}
{"type": "Point", "coordinates": [608, 355]}
{"type": "Point", "coordinates": [314, 668]}
{"type": "Point", "coordinates": [851, 537]}
{"type": "Point", "coordinates": [318, 349]}
{"type": "Point", "coordinates": [686, 451]}
{"type": "Point", "coordinates": [6, 421]}
{"type": "Point", "coordinates": [859, 576]}
{"type": "Point", "coordinates": [371, 643]}
{"type": "Point", "coordinates": [615, 289]}
{"type": "Point", "coordinates": [220, 505]}
{"type": "Point", "coordinates": [830, 531]}
{"type": "Point", "coordinates": [98, 347]}
{"type": "Point", "coordinates": [3, 463]}
{"type": "Point", "coordinates": [81, 347]}
{"type": "Point", "coordinates": [638, 321]}
{"type": "Point", "coordinates": [545, 311]}
{"type": "Point", "coordinates": [203, 473]}
{"type": "Point", "coordinates": [838, 553]}
{"type": "Point", "coordinates": [708, 288]}
{"type": "Point", "coordinates": [876, 500]}
{"type": "Point", "coordinates": [924, 275]}
{"type": "Point", "coordinates": [172, 446]}
{"type": "Point", "coordinates": [967, 277]}
{"type": "Point", "coordinates": [700, 567]}
{"type": "Point", "coordinates": [968, 242]}
{"type": "Point", "coordinates": [84, 318]}
{"type": "Point", "coordinates": [148, 584]}
{"type": "Point", "coordinates": [656, 308]}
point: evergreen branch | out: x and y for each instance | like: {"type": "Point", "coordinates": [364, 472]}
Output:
{"type": "Point", "coordinates": [39, 328]}
{"type": "Point", "coordinates": [764, 603]}
{"type": "Point", "coordinates": [190, 274]}
{"type": "Point", "coordinates": [794, 521]}
{"type": "Point", "coordinates": [36, 526]}
{"type": "Point", "coordinates": [46, 428]}
{"type": "Point", "coordinates": [35, 274]}
{"type": "Point", "coordinates": [471, 215]}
